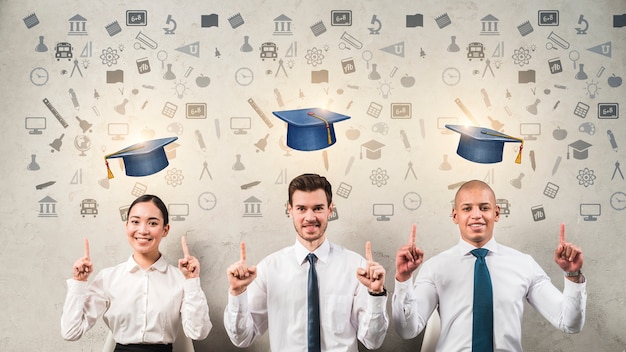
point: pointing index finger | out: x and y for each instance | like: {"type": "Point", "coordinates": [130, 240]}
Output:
{"type": "Point", "coordinates": [562, 234]}
{"type": "Point", "coordinates": [412, 237]}
{"type": "Point", "coordinates": [86, 248]}
{"type": "Point", "coordinates": [242, 255]}
{"type": "Point", "coordinates": [183, 242]}
{"type": "Point", "coordinates": [368, 251]}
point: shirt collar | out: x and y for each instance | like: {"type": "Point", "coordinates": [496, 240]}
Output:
{"type": "Point", "coordinates": [160, 265]}
{"type": "Point", "coordinates": [321, 252]}
{"type": "Point", "coordinates": [465, 248]}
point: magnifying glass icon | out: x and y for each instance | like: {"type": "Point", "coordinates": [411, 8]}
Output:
{"type": "Point", "coordinates": [138, 46]}
{"type": "Point", "coordinates": [367, 56]}
{"type": "Point", "coordinates": [550, 46]}
{"type": "Point", "coordinates": [574, 55]}
{"type": "Point", "coordinates": [343, 46]}
{"type": "Point", "coordinates": [162, 56]}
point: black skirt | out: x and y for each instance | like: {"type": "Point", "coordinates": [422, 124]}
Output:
{"type": "Point", "coordinates": [137, 347]}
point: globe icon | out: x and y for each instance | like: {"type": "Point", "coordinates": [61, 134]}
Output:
{"type": "Point", "coordinates": [82, 144]}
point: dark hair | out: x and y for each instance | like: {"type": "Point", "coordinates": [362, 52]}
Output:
{"type": "Point", "coordinates": [157, 201]}
{"type": "Point", "coordinates": [310, 183]}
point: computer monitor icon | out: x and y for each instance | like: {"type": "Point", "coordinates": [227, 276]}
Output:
{"type": "Point", "coordinates": [382, 211]}
{"type": "Point", "coordinates": [117, 131]}
{"type": "Point", "coordinates": [178, 211]}
{"type": "Point", "coordinates": [530, 130]}
{"type": "Point", "coordinates": [240, 125]}
{"type": "Point", "coordinates": [34, 125]}
{"type": "Point", "coordinates": [590, 211]}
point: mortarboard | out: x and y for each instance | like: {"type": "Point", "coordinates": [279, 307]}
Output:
{"type": "Point", "coordinates": [580, 149]}
{"type": "Point", "coordinates": [483, 145]}
{"type": "Point", "coordinates": [142, 159]}
{"type": "Point", "coordinates": [310, 129]}
{"type": "Point", "coordinates": [372, 149]}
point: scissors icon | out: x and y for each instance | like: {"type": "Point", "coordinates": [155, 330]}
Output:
{"type": "Point", "coordinates": [550, 46]}
{"type": "Point", "coordinates": [343, 46]}
{"type": "Point", "coordinates": [138, 46]}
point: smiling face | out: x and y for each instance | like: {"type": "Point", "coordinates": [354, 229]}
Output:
{"type": "Point", "coordinates": [310, 212]}
{"type": "Point", "coordinates": [145, 228]}
{"type": "Point", "coordinates": [476, 212]}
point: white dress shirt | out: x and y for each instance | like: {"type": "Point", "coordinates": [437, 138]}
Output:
{"type": "Point", "coordinates": [139, 306]}
{"type": "Point", "coordinates": [447, 280]}
{"type": "Point", "coordinates": [277, 300]}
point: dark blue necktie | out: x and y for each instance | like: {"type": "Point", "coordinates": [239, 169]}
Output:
{"type": "Point", "coordinates": [314, 307]}
{"type": "Point", "coordinates": [482, 324]}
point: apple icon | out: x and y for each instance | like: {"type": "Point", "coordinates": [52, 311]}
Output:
{"type": "Point", "coordinates": [202, 81]}
{"type": "Point", "coordinates": [615, 81]}
{"type": "Point", "coordinates": [559, 134]}
{"type": "Point", "coordinates": [353, 133]}
{"type": "Point", "coordinates": [407, 81]}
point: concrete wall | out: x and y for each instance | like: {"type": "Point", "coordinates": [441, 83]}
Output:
{"type": "Point", "coordinates": [396, 83]}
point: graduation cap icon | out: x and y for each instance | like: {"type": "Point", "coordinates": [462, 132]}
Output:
{"type": "Point", "coordinates": [142, 159]}
{"type": "Point", "coordinates": [483, 145]}
{"type": "Point", "coordinates": [580, 149]}
{"type": "Point", "coordinates": [310, 129]}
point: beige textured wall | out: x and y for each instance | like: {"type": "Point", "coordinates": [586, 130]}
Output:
{"type": "Point", "coordinates": [38, 246]}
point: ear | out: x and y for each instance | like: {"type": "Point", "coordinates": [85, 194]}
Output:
{"type": "Point", "coordinates": [454, 216]}
{"type": "Point", "coordinates": [166, 230]}
{"type": "Point", "coordinates": [330, 209]}
{"type": "Point", "coordinates": [497, 211]}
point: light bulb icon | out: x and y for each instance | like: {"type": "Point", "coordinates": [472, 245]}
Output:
{"type": "Point", "coordinates": [385, 89]}
{"type": "Point", "coordinates": [592, 89]}
{"type": "Point", "coordinates": [180, 88]}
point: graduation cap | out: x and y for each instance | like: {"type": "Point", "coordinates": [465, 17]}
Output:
{"type": "Point", "coordinates": [580, 149]}
{"type": "Point", "coordinates": [310, 129]}
{"type": "Point", "coordinates": [142, 159]}
{"type": "Point", "coordinates": [483, 145]}
{"type": "Point", "coordinates": [372, 149]}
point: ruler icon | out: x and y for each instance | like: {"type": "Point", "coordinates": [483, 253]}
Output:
{"type": "Point", "coordinates": [260, 112]}
{"type": "Point", "coordinates": [55, 112]}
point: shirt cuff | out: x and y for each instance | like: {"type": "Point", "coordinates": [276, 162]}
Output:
{"type": "Point", "coordinates": [402, 287]}
{"type": "Point", "coordinates": [376, 304]}
{"type": "Point", "coordinates": [192, 285]}
{"type": "Point", "coordinates": [237, 304]}
{"type": "Point", "coordinates": [76, 286]}
{"type": "Point", "coordinates": [574, 289]}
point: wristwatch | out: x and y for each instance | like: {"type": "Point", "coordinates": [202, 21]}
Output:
{"type": "Point", "coordinates": [573, 273]}
{"type": "Point", "coordinates": [384, 293]}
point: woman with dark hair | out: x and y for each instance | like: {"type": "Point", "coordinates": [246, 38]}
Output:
{"type": "Point", "coordinates": [143, 300]}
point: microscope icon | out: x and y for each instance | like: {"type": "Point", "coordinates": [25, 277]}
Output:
{"type": "Point", "coordinates": [585, 23]}
{"type": "Point", "coordinates": [379, 25]}
{"type": "Point", "coordinates": [170, 21]}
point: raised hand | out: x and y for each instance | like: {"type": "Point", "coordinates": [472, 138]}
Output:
{"type": "Point", "coordinates": [188, 265]}
{"type": "Point", "coordinates": [568, 256]}
{"type": "Point", "coordinates": [373, 275]}
{"type": "Point", "coordinates": [408, 258]}
{"type": "Point", "coordinates": [83, 267]}
{"type": "Point", "coordinates": [240, 275]}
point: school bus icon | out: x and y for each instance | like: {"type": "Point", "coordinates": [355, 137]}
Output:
{"type": "Point", "coordinates": [269, 51]}
{"type": "Point", "coordinates": [89, 207]}
{"type": "Point", "coordinates": [63, 50]}
{"type": "Point", "coordinates": [475, 50]}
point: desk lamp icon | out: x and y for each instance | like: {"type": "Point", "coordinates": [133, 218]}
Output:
{"type": "Point", "coordinates": [583, 21]}
{"type": "Point", "coordinates": [379, 25]}
{"type": "Point", "coordinates": [170, 21]}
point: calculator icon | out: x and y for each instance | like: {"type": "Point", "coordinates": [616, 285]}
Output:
{"type": "Point", "coordinates": [581, 110]}
{"type": "Point", "coordinates": [344, 190]}
{"type": "Point", "coordinates": [169, 109]}
{"type": "Point", "coordinates": [551, 190]}
{"type": "Point", "coordinates": [374, 109]}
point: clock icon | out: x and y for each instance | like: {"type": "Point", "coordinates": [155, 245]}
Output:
{"type": "Point", "coordinates": [451, 76]}
{"type": "Point", "coordinates": [207, 200]}
{"type": "Point", "coordinates": [412, 201]}
{"type": "Point", "coordinates": [618, 200]}
{"type": "Point", "coordinates": [244, 76]}
{"type": "Point", "coordinates": [39, 76]}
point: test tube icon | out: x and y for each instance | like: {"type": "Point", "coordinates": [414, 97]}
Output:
{"type": "Point", "coordinates": [348, 38]}
{"type": "Point", "coordinates": [146, 40]}
{"type": "Point", "coordinates": [558, 40]}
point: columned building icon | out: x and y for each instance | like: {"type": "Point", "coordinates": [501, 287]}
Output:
{"type": "Point", "coordinates": [78, 25]}
{"type": "Point", "coordinates": [282, 25]}
{"type": "Point", "coordinates": [489, 25]}
{"type": "Point", "coordinates": [252, 207]}
{"type": "Point", "coordinates": [47, 207]}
